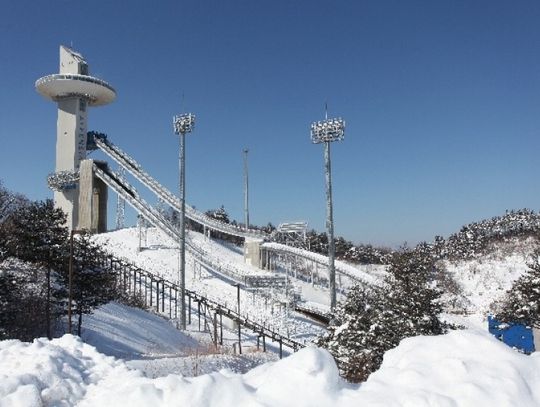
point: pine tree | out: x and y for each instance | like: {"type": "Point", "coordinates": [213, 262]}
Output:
{"type": "Point", "coordinates": [9, 203]}
{"type": "Point", "coordinates": [8, 301]}
{"type": "Point", "coordinates": [92, 285]}
{"type": "Point", "coordinates": [35, 233]}
{"type": "Point", "coordinates": [373, 320]}
{"type": "Point", "coordinates": [219, 214]}
{"type": "Point", "coordinates": [522, 302]}
{"type": "Point", "coordinates": [412, 294]}
{"type": "Point", "coordinates": [23, 305]}
{"type": "Point", "coordinates": [358, 334]}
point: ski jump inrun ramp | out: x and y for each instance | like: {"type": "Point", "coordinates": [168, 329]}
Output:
{"type": "Point", "coordinates": [206, 259]}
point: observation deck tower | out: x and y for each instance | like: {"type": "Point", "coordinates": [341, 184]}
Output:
{"type": "Point", "coordinates": [74, 90]}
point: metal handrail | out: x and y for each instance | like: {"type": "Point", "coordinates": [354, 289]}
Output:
{"type": "Point", "coordinates": [79, 77]}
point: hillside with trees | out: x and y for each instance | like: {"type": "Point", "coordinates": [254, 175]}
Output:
{"type": "Point", "coordinates": [34, 270]}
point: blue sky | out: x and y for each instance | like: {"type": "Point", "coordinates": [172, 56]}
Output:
{"type": "Point", "coordinates": [441, 100]}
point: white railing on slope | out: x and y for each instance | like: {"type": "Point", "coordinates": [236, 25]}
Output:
{"type": "Point", "coordinates": [341, 268]}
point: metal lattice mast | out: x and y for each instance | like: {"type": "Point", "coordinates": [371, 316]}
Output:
{"type": "Point", "coordinates": [183, 124]}
{"type": "Point", "coordinates": [120, 202]}
{"type": "Point", "coordinates": [325, 132]}
{"type": "Point", "coordinates": [246, 190]}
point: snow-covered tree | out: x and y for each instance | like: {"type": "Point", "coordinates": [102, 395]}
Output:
{"type": "Point", "coordinates": [36, 233]}
{"type": "Point", "coordinates": [23, 305]}
{"type": "Point", "coordinates": [373, 320]}
{"type": "Point", "coordinates": [475, 238]}
{"type": "Point", "coordinates": [219, 214]}
{"type": "Point", "coordinates": [522, 302]}
{"type": "Point", "coordinates": [9, 203]}
{"type": "Point", "coordinates": [358, 334]}
{"type": "Point", "coordinates": [92, 285]}
{"type": "Point", "coordinates": [412, 293]}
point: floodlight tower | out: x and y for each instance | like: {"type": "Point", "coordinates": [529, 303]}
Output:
{"type": "Point", "coordinates": [325, 132]}
{"type": "Point", "coordinates": [183, 124]}
{"type": "Point", "coordinates": [74, 90]}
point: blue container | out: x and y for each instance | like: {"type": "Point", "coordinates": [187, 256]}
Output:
{"type": "Point", "coordinates": [515, 335]}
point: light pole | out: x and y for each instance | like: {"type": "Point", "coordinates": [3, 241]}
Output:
{"type": "Point", "coordinates": [246, 189]}
{"type": "Point", "coordinates": [325, 132]}
{"type": "Point", "coordinates": [183, 124]}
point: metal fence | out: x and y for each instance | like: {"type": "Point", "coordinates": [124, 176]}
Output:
{"type": "Point", "coordinates": [164, 297]}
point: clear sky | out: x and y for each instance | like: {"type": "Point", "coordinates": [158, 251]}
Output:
{"type": "Point", "coordinates": [441, 100]}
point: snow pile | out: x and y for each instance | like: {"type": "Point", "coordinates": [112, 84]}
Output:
{"type": "Point", "coordinates": [56, 372]}
{"type": "Point", "coordinates": [465, 368]}
{"type": "Point", "coordinates": [462, 368]}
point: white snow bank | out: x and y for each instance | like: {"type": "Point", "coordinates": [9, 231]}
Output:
{"type": "Point", "coordinates": [52, 373]}
{"type": "Point", "coordinates": [464, 368]}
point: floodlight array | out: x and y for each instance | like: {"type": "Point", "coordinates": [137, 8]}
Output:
{"type": "Point", "coordinates": [184, 123]}
{"type": "Point", "coordinates": [328, 130]}
{"type": "Point", "coordinates": [63, 180]}
{"type": "Point", "coordinates": [292, 227]}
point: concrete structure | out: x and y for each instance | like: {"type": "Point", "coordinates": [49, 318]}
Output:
{"type": "Point", "coordinates": [74, 91]}
{"type": "Point", "coordinates": [92, 198]}
{"type": "Point", "coordinates": [252, 252]}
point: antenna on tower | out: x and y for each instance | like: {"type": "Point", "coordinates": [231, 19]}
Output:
{"type": "Point", "coordinates": [326, 110]}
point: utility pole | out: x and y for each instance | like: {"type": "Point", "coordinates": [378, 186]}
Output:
{"type": "Point", "coordinates": [48, 309]}
{"type": "Point", "coordinates": [246, 190]}
{"type": "Point", "coordinates": [183, 124]}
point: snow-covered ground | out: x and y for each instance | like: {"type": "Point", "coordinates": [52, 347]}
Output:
{"type": "Point", "coordinates": [132, 357]}
{"type": "Point", "coordinates": [160, 256]}
{"type": "Point", "coordinates": [153, 345]}
{"type": "Point", "coordinates": [486, 279]}
{"type": "Point", "coordinates": [462, 368]}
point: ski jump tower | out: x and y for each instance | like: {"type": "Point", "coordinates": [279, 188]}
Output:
{"type": "Point", "coordinates": [77, 191]}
